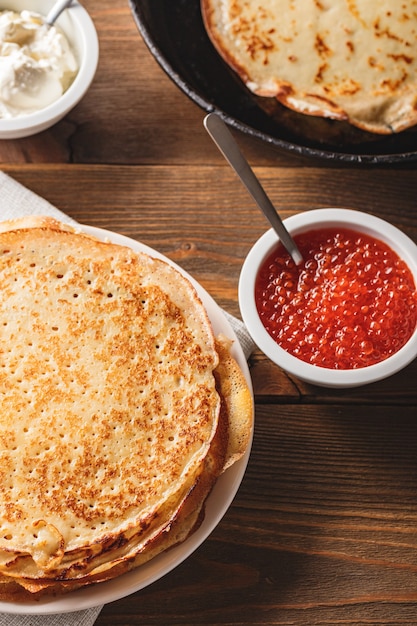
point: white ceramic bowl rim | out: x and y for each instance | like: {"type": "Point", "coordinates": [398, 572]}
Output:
{"type": "Point", "coordinates": [326, 217]}
{"type": "Point", "coordinates": [74, 93]}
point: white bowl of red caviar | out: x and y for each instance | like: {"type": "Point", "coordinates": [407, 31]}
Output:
{"type": "Point", "coordinates": [347, 315]}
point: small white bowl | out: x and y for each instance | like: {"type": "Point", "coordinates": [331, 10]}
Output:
{"type": "Point", "coordinates": [311, 220]}
{"type": "Point", "coordinates": [82, 35]}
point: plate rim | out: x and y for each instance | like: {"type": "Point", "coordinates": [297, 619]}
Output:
{"type": "Point", "coordinates": [218, 502]}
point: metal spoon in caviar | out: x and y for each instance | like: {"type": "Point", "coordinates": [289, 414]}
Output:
{"type": "Point", "coordinates": [227, 145]}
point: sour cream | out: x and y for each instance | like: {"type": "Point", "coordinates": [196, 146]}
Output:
{"type": "Point", "coordinates": [37, 64]}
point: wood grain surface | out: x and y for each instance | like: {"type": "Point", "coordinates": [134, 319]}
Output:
{"type": "Point", "coordinates": [323, 528]}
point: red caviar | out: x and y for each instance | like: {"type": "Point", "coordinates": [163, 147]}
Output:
{"type": "Point", "coordinates": [350, 304]}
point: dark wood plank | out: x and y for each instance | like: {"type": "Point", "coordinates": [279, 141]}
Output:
{"type": "Point", "coordinates": [271, 384]}
{"type": "Point", "coordinates": [323, 530]}
{"type": "Point", "coordinates": [193, 212]}
{"type": "Point", "coordinates": [213, 196]}
{"type": "Point", "coordinates": [208, 230]}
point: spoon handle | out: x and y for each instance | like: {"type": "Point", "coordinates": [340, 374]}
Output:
{"type": "Point", "coordinates": [56, 11]}
{"type": "Point", "coordinates": [227, 145]}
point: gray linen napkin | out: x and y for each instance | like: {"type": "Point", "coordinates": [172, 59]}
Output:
{"type": "Point", "coordinates": [78, 618]}
{"type": "Point", "coordinates": [18, 201]}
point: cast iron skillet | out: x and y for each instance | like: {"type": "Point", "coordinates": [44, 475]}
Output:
{"type": "Point", "coordinates": [174, 33]}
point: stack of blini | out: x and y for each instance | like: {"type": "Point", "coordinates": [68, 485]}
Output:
{"type": "Point", "coordinates": [119, 408]}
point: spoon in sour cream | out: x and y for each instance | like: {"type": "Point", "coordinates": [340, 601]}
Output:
{"type": "Point", "coordinates": [227, 145]}
{"type": "Point", "coordinates": [56, 11]}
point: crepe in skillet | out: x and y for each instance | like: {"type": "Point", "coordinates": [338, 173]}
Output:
{"type": "Point", "coordinates": [354, 61]}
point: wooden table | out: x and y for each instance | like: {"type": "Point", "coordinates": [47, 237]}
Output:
{"type": "Point", "coordinates": [323, 529]}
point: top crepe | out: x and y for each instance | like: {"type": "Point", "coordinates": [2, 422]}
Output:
{"type": "Point", "coordinates": [351, 60]}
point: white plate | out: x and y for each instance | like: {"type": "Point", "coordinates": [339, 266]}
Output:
{"type": "Point", "coordinates": [217, 504]}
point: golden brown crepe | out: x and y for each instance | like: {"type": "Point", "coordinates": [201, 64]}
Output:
{"type": "Point", "coordinates": [116, 408]}
{"type": "Point", "coordinates": [347, 60]}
